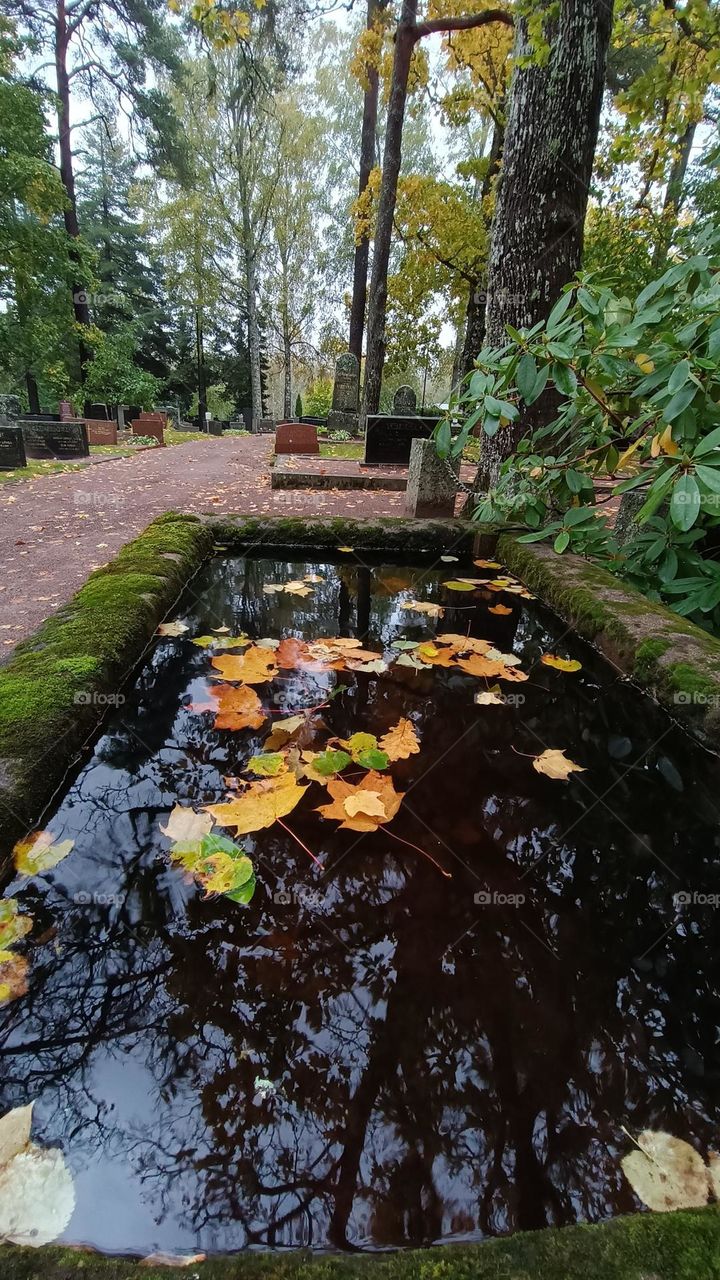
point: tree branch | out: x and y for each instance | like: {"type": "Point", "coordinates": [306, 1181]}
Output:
{"type": "Point", "coordinates": [467, 23]}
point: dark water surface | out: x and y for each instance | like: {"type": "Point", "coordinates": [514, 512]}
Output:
{"type": "Point", "coordinates": [449, 1058]}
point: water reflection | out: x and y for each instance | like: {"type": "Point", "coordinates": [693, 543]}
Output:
{"type": "Point", "coordinates": [448, 1058]}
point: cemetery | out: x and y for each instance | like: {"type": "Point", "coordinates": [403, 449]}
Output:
{"type": "Point", "coordinates": [359, 641]}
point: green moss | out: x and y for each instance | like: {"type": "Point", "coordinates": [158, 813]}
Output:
{"type": "Point", "coordinates": [666, 1246]}
{"type": "Point", "coordinates": [676, 661]}
{"type": "Point", "coordinates": [390, 534]}
{"type": "Point", "coordinates": [48, 703]}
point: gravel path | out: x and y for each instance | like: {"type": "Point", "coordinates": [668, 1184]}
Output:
{"type": "Point", "coordinates": [57, 528]}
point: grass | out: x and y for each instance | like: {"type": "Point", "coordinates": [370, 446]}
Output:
{"type": "Point", "coordinates": [35, 468]}
{"type": "Point", "coordinates": [343, 449]}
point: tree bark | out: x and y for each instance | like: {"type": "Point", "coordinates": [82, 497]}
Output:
{"type": "Point", "coordinates": [67, 174]}
{"type": "Point", "coordinates": [392, 158]}
{"type": "Point", "coordinates": [287, 379]}
{"type": "Point", "coordinates": [408, 32]}
{"type": "Point", "coordinates": [367, 161]}
{"type": "Point", "coordinates": [252, 316]}
{"type": "Point", "coordinates": [537, 233]}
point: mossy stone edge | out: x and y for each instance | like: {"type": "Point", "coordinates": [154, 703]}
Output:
{"type": "Point", "coordinates": [53, 692]}
{"type": "Point", "coordinates": [672, 659]}
{"type": "Point", "coordinates": [667, 1246]}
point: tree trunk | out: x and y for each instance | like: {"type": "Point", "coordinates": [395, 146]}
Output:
{"type": "Point", "coordinates": [475, 317]}
{"type": "Point", "coordinates": [367, 160]}
{"type": "Point", "coordinates": [67, 175]}
{"type": "Point", "coordinates": [674, 197]}
{"type": "Point", "coordinates": [254, 355]}
{"type": "Point", "coordinates": [550, 141]}
{"type": "Point", "coordinates": [405, 37]}
{"type": "Point", "coordinates": [287, 381]}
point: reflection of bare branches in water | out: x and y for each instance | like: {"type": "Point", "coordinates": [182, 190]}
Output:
{"type": "Point", "coordinates": [440, 1067]}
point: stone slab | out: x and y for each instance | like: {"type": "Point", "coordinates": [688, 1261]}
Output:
{"type": "Point", "coordinates": [389, 437]}
{"type": "Point", "coordinates": [338, 421]}
{"type": "Point", "coordinates": [296, 437]}
{"type": "Point", "coordinates": [432, 482]}
{"type": "Point", "coordinates": [346, 387]}
{"type": "Point", "coordinates": [334, 473]}
{"type": "Point", "coordinates": [12, 448]}
{"type": "Point", "coordinates": [57, 440]}
{"type": "Point", "coordinates": [149, 424]}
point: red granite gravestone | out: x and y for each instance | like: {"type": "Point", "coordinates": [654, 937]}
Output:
{"type": "Point", "coordinates": [296, 437]}
{"type": "Point", "coordinates": [100, 431]}
{"type": "Point", "coordinates": [150, 424]}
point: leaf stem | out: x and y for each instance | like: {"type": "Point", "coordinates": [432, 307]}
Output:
{"type": "Point", "coordinates": [309, 852]}
{"type": "Point", "coordinates": [425, 854]}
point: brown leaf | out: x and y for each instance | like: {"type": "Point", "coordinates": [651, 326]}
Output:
{"type": "Point", "coordinates": [400, 742]}
{"type": "Point", "coordinates": [378, 783]}
{"type": "Point", "coordinates": [555, 764]}
{"type": "Point", "coordinates": [667, 1173]}
{"type": "Point", "coordinates": [238, 708]}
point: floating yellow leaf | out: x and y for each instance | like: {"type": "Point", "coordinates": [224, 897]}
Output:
{"type": "Point", "coordinates": [490, 698]}
{"type": "Point", "coordinates": [407, 660]}
{"type": "Point", "coordinates": [464, 644]}
{"type": "Point", "coordinates": [425, 606]}
{"type": "Point", "coordinates": [561, 664]}
{"type": "Point", "coordinates": [185, 826]}
{"type": "Point", "coordinates": [500, 609]}
{"type": "Point", "coordinates": [400, 742]}
{"type": "Point", "coordinates": [487, 564]}
{"type": "Point", "coordinates": [555, 764]}
{"type": "Point", "coordinates": [13, 926]}
{"type": "Point", "coordinates": [259, 805]}
{"type": "Point", "coordinates": [447, 559]}
{"type": "Point", "coordinates": [255, 666]}
{"type": "Point", "coordinates": [38, 852]}
{"type": "Point", "coordinates": [365, 802]}
{"type": "Point", "coordinates": [313, 577]}
{"type": "Point", "coordinates": [346, 549]}
{"type": "Point", "coordinates": [457, 585]}
{"type": "Point", "coordinates": [268, 765]}
{"type": "Point", "coordinates": [172, 629]}
{"type": "Point", "coordinates": [374, 666]}
{"type": "Point", "coordinates": [221, 873]}
{"type": "Point", "coordinates": [13, 976]}
{"type": "Point", "coordinates": [379, 784]}
{"type": "Point", "coordinates": [667, 1173]}
{"type": "Point", "coordinates": [238, 708]}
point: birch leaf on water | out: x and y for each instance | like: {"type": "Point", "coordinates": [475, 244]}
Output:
{"type": "Point", "coordinates": [39, 852]}
{"type": "Point", "coordinates": [561, 664]}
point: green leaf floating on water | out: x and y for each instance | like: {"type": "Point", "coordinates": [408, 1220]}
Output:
{"type": "Point", "coordinates": [331, 762]}
{"type": "Point", "coordinates": [373, 758]}
{"type": "Point", "coordinates": [220, 866]}
{"type": "Point", "coordinates": [244, 893]}
{"type": "Point", "coordinates": [268, 764]}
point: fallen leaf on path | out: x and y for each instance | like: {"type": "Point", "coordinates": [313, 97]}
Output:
{"type": "Point", "coordinates": [555, 764]}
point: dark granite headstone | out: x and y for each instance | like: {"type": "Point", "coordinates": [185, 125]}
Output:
{"type": "Point", "coordinates": [99, 412]}
{"type": "Point", "coordinates": [59, 440]}
{"type": "Point", "coordinates": [264, 426]}
{"type": "Point", "coordinates": [314, 422]}
{"type": "Point", "coordinates": [10, 409]}
{"type": "Point", "coordinates": [214, 427]}
{"type": "Point", "coordinates": [388, 438]}
{"type": "Point", "coordinates": [12, 448]}
{"type": "Point", "coordinates": [246, 415]}
{"type": "Point", "coordinates": [346, 388]}
{"type": "Point", "coordinates": [296, 437]}
{"type": "Point", "coordinates": [405, 401]}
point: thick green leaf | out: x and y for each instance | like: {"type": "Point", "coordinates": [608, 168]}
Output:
{"type": "Point", "coordinates": [710, 477]}
{"type": "Point", "coordinates": [561, 542]}
{"type": "Point", "coordinates": [685, 503]}
{"type": "Point", "coordinates": [679, 376]}
{"type": "Point", "coordinates": [564, 379]}
{"type": "Point", "coordinates": [526, 375]}
{"type": "Point", "coordinates": [679, 402]}
{"type": "Point", "coordinates": [540, 384]}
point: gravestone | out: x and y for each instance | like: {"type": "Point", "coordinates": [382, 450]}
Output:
{"type": "Point", "coordinates": [171, 413]}
{"type": "Point", "coordinates": [58, 440]}
{"type": "Point", "coordinates": [405, 401]}
{"type": "Point", "coordinates": [388, 438]}
{"type": "Point", "coordinates": [264, 426]}
{"type": "Point", "coordinates": [343, 415]}
{"type": "Point", "coordinates": [296, 437]}
{"type": "Point", "coordinates": [101, 432]}
{"type": "Point", "coordinates": [65, 410]}
{"type": "Point", "coordinates": [432, 482]}
{"type": "Point", "coordinates": [12, 448]}
{"type": "Point", "coordinates": [246, 415]}
{"type": "Point", "coordinates": [314, 422]}
{"type": "Point", "coordinates": [10, 409]}
{"type": "Point", "coordinates": [214, 427]}
{"type": "Point", "coordinates": [149, 424]}
{"type": "Point", "coordinates": [98, 412]}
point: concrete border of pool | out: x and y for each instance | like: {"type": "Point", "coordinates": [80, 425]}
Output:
{"type": "Point", "coordinates": [646, 1246]}
{"type": "Point", "coordinates": [53, 692]}
{"type": "Point", "coordinates": [53, 695]}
